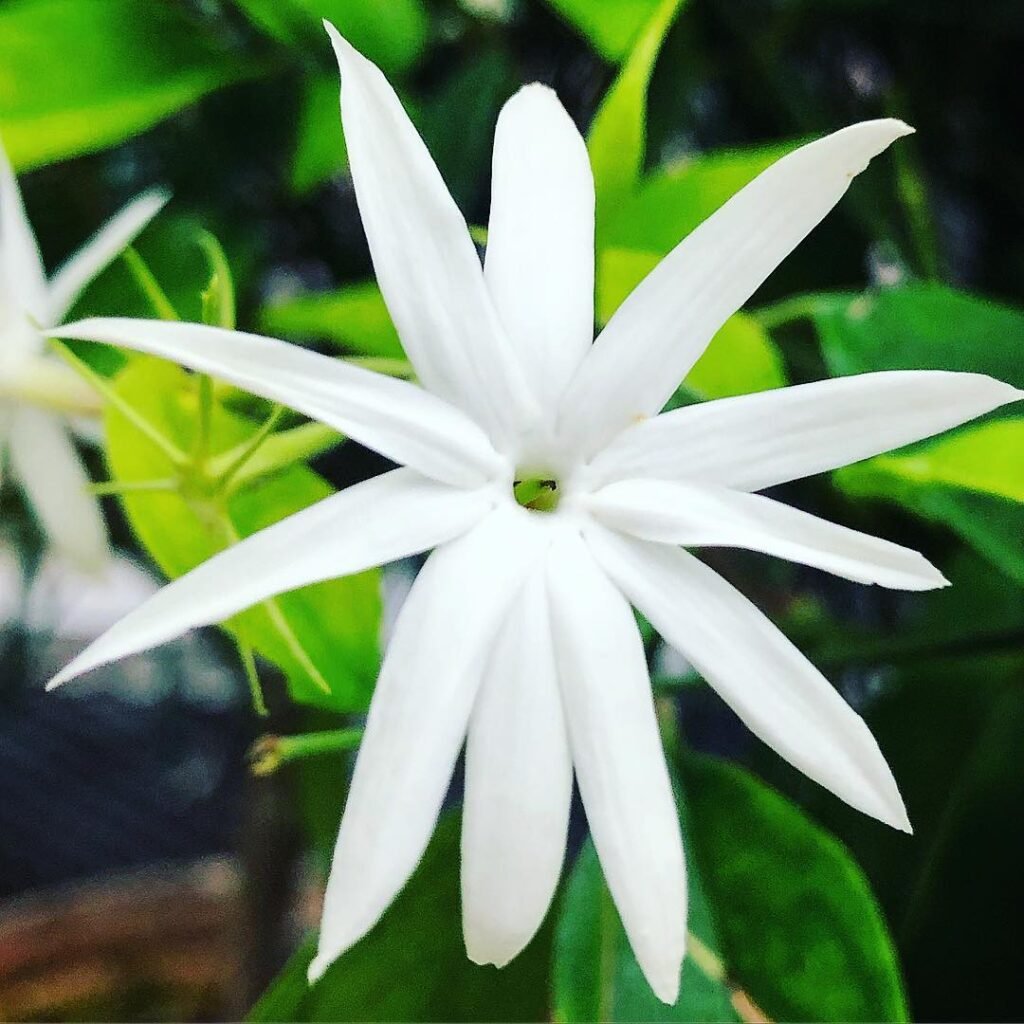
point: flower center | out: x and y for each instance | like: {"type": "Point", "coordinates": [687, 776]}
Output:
{"type": "Point", "coordinates": [536, 491]}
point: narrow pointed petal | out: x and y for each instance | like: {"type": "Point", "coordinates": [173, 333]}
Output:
{"type": "Point", "coordinates": [662, 328]}
{"type": "Point", "coordinates": [394, 417]}
{"type": "Point", "coordinates": [539, 264]}
{"type": "Point", "coordinates": [44, 461]}
{"type": "Point", "coordinates": [397, 514]}
{"type": "Point", "coordinates": [775, 690]}
{"type": "Point", "coordinates": [431, 674]}
{"type": "Point", "coordinates": [518, 787]}
{"type": "Point", "coordinates": [703, 515]}
{"type": "Point", "coordinates": [102, 249]}
{"type": "Point", "coordinates": [426, 264]}
{"type": "Point", "coordinates": [620, 765]}
{"type": "Point", "coordinates": [21, 267]}
{"type": "Point", "coordinates": [757, 441]}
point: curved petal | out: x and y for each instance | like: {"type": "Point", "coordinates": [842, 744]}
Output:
{"type": "Point", "coordinates": [46, 464]}
{"type": "Point", "coordinates": [22, 278]}
{"type": "Point", "coordinates": [756, 441]}
{"type": "Point", "coordinates": [417, 721]}
{"type": "Point", "coordinates": [518, 787]}
{"type": "Point", "coordinates": [662, 328]}
{"type": "Point", "coordinates": [620, 765]}
{"type": "Point", "coordinates": [394, 417]}
{"type": "Point", "coordinates": [426, 264]}
{"type": "Point", "coordinates": [539, 264]}
{"type": "Point", "coordinates": [397, 514]}
{"type": "Point", "coordinates": [106, 245]}
{"type": "Point", "coordinates": [699, 515]}
{"type": "Point", "coordinates": [775, 690]}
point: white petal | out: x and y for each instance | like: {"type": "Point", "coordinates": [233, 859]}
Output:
{"type": "Point", "coordinates": [22, 278]}
{"type": "Point", "coordinates": [620, 765]}
{"type": "Point", "coordinates": [417, 721]}
{"type": "Point", "coordinates": [426, 265]}
{"type": "Point", "coordinates": [518, 787]}
{"type": "Point", "coordinates": [703, 515]}
{"type": "Point", "coordinates": [397, 514]}
{"type": "Point", "coordinates": [105, 246]}
{"type": "Point", "coordinates": [45, 463]}
{"type": "Point", "coordinates": [756, 441]}
{"type": "Point", "coordinates": [539, 264]}
{"type": "Point", "coordinates": [775, 690]}
{"type": "Point", "coordinates": [394, 417]}
{"type": "Point", "coordinates": [662, 328]}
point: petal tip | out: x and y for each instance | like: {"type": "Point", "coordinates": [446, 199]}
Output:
{"type": "Point", "coordinates": [318, 965]}
{"type": "Point", "coordinates": [666, 986]}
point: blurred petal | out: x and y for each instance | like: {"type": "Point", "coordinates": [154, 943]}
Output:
{"type": "Point", "coordinates": [44, 461]}
{"type": "Point", "coordinates": [518, 787]}
{"type": "Point", "coordinates": [620, 765]}
{"type": "Point", "coordinates": [539, 264]}
{"type": "Point", "coordinates": [394, 417]}
{"type": "Point", "coordinates": [22, 277]}
{"type": "Point", "coordinates": [699, 515]}
{"type": "Point", "coordinates": [662, 328]}
{"type": "Point", "coordinates": [426, 264]}
{"type": "Point", "coordinates": [760, 440]}
{"type": "Point", "coordinates": [775, 690]}
{"type": "Point", "coordinates": [397, 514]}
{"type": "Point", "coordinates": [417, 721]}
{"type": "Point", "coordinates": [105, 246]}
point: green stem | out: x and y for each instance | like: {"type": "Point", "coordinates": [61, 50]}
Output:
{"type": "Point", "coordinates": [203, 428]}
{"type": "Point", "coordinates": [281, 450]}
{"type": "Point", "coordinates": [245, 451]}
{"type": "Point", "coordinates": [248, 659]}
{"type": "Point", "coordinates": [149, 285]}
{"type": "Point", "coordinates": [103, 386]}
{"type": "Point", "coordinates": [133, 486]}
{"type": "Point", "coordinates": [268, 753]}
{"type": "Point", "coordinates": [401, 368]}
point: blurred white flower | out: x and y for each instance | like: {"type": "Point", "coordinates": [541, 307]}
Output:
{"type": "Point", "coordinates": [555, 496]}
{"type": "Point", "coordinates": [39, 395]}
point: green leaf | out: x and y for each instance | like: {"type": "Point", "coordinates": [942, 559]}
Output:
{"type": "Point", "coordinates": [740, 360]}
{"type": "Point", "coordinates": [800, 929]}
{"type": "Point", "coordinates": [610, 25]}
{"type": "Point", "coordinates": [393, 36]}
{"type": "Point", "coordinates": [354, 317]}
{"type": "Point", "coordinates": [616, 141]}
{"type": "Point", "coordinates": [596, 976]}
{"type": "Point", "coordinates": [77, 77]}
{"type": "Point", "coordinates": [413, 965]}
{"type": "Point", "coordinates": [320, 152]}
{"type": "Point", "coordinates": [922, 327]}
{"type": "Point", "coordinates": [336, 623]}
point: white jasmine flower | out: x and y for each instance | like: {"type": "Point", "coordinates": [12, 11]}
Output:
{"type": "Point", "coordinates": [37, 391]}
{"type": "Point", "coordinates": [536, 465]}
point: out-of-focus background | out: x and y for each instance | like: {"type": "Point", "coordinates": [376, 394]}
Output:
{"type": "Point", "coordinates": [155, 865]}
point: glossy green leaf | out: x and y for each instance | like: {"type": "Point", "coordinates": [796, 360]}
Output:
{"type": "Point", "coordinates": [76, 77]}
{"type": "Point", "coordinates": [596, 976]}
{"type": "Point", "coordinates": [610, 25]}
{"type": "Point", "coordinates": [320, 152]}
{"type": "Point", "coordinates": [336, 623]}
{"type": "Point", "coordinates": [923, 326]}
{"type": "Point", "coordinates": [393, 36]}
{"type": "Point", "coordinates": [354, 317]}
{"type": "Point", "coordinates": [799, 926]}
{"type": "Point", "coordinates": [616, 141]}
{"type": "Point", "coordinates": [741, 359]}
{"type": "Point", "coordinates": [413, 965]}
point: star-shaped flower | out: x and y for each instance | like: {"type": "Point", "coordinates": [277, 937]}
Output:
{"type": "Point", "coordinates": [37, 391]}
{"type": "Point", "coordinates": [536, 465]}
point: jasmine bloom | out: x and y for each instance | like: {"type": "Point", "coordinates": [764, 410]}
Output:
{"type": "Point", "coordinates": [535, 464]}
{"type": "Point", "coordinates": [38, 392]}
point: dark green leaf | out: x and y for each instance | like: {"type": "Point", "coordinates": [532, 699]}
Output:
{"type": "Point", "coordinates": [610, 25]}
{"type": "Point", "coordinates": [320, 152]}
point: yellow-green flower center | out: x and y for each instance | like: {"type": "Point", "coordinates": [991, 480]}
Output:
{"type": "Point", "coordinates": [537, 492]}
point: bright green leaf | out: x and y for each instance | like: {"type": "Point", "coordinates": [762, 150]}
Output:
{"type": "Point", "coordinates": [800, 929]}
{"type": "Point", "coordinates": [336, 622]}
{"type": "Point", "coordinates": [617, 137]}
{"type": "Point", "coordinates": [610, 25]}
{"type": "Point", "coordinates": [354, 317]}
{"type": "Point", "coordinates": [76, 77]}
{"type": "Point", "coordinates": [413, 965]}
{"type": "Point", "coordinates": [320, 152]}
{"type": "Point", "coordinates": [741, 359]}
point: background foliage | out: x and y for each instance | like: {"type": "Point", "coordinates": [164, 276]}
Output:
{"type": "Point", "coordinates": [802, 909]}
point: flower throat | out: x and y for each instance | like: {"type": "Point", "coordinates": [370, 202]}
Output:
{"type": "Point", "coordinates": [536, 492]}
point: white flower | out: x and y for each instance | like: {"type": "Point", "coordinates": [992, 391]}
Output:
{"type": "Point", "coordinates": [518, 636]}
{"type": "Point", "coordinates": [37, 391]}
